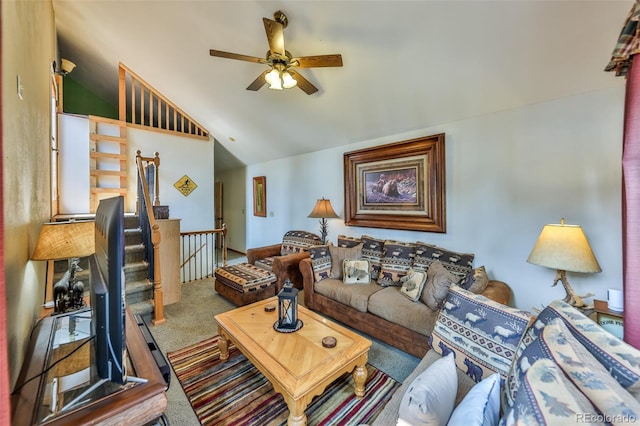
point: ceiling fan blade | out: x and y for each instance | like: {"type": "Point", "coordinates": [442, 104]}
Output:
{"type": "Point", "coordinates": [275, 36]}
{"type": "Point", "coordinates": [303, 83]}
{"type": "Point", "coordinates": [221, 54]}
{"type": "Point", "coordinates": [318, 61]}
{"type": "Point", "coordinates": [258, 82]}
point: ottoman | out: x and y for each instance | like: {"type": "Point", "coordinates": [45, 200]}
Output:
{"type": "Point", "coordinates": [244, 283]}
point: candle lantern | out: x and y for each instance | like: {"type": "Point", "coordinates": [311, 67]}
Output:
{"type": "Point", "coordinates": [288, 308]}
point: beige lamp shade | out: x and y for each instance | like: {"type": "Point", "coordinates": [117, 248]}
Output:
{"type": "Point", "coordinates": [565, 248]}
{"type": "Point", "coordinates": [63, 240]}
{"type": "Point", "coordinates": [323, 210]}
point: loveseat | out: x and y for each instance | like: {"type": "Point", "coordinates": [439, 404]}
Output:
{"type": "Point", "coordinates": [283, 258]}
{"type": "Point", "coordinates": [512, 368]}
{"type": "Point", "coordinates": [380, 308]}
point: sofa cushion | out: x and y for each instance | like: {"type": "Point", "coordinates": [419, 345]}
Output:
{"type": "Point", "coordinates": [483, 333]}
{"type": "Point", "coordinates": [397, 258]}
{"type": "Point", "coordinates": [298, 241]}
{"type": "Point", "coordinates": [481, 406]}
{"type": "Point", "coordinates": [339, 254]}
{"type": "Point", "coordinates": [346, 241]}
{"type": "Point", "coordinates": [439, 281]}
{"type": "Point", "coordinates": [430, 397]}
{"type": "Point", "coordinates": [547, 396]}
{"type": "Point", "coordinates": [589, 376]}
{"type": "Point", "coordinates": [372, 251]}
{"type": "Point", "coordinates": [617, 356]}
{"type": "Point", "coordinates": [412, 284]}
{"type": "Point", "coordinates": [356, 296]}
{"type": "Point", "coordinates": [265, 263]}
{"type": "Point", "coordinates": [356, 271]}
{"type": "Point", "coordinates": [320, 262]}
{"type": "Point", "coordinates": [391, 305]}
{"type": "Point", "coordinates": [476, 280]}
{"type": "Point", "coordinates": [459, 264]}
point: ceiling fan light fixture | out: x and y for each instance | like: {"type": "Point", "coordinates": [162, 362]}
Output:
{"type": "Point", "coordinates": [273, 78]}
{"type": "Point", "coordinates": [288, 81]}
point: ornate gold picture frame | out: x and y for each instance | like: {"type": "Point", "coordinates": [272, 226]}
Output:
{"type": "Point", "coordinates": [260, 196]}
{"type": "Point", "coordinates": [397, 186]}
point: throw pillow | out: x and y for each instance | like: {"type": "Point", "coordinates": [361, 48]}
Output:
{"type": "Point", "coordinates": [439, 281]}
{"type": "Point", "coordinates": [320, 261]}
{"type": "Point", "coordinates": [356, 271]}
{"type": "Point", "coordinates": [476, 280]}
{"type": "Point", "coordinates": [413, 283]}
{"type": "Point", "coordinates": [346, 241]}
{"type": "Point", "coordinates": [372, 251]}
{"type": "Point", "coordinates": [547, 397]}
{"type": "Point", "coordinates": [430, 397]}
{"type": "Point", "coordinates": [618, 357]}
{"type": "Point", "coordinates": [297, 242]}
{"type": "Point", "coordinates": [397, 258]}
{"type": "Point", "coordinates": [339, 254]}
{"type": "Point", "coordinates": [481, 406]}
{"type": "Point", "coordinates": [459, 264]}
{"type": "Point", "coordinates": [482, 333]}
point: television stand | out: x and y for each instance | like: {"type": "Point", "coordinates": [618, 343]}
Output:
{"type": "Point", "coordinates": [140, 400]}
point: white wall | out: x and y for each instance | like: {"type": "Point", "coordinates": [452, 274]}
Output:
{"type": "Point", "coordinates": [179, 156]}
{"type": "Point", "coordinates": [507, 175]}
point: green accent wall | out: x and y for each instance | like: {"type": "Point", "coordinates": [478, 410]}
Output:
{"type": "Point", "coordinates": [77, 99]}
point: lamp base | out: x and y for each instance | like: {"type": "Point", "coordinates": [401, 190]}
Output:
{"type": "Point", "coordinates": [571, 298]}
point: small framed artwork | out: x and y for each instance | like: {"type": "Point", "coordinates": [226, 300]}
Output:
{"type": "Point", "coordinates": [260, 196]}
{"type": "Point", "coordinates": [397, 186]}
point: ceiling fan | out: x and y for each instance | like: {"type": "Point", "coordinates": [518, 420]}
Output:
{"type": "Point", "coordinates": [281, 74]}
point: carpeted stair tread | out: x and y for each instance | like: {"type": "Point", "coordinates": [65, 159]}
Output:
{"type": "Point", "coordinates": [141, 308]}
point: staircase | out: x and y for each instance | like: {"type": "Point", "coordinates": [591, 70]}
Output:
{"type": "Point", "coordinates": [138, 288]}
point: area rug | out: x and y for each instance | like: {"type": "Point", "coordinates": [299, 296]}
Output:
{"type": "Point", "coordinates": [236, 393]}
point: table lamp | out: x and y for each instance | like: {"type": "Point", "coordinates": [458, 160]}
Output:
{"type": "Point", "coordinates": [565, 248]}
{"type": "Point", "coordinates": [323, 210]}
{"type": "Point", "coordinates": [65, 240]}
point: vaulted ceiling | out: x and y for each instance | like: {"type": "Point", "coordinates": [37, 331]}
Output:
{"type": "Point", "coordinates": [408, 65]}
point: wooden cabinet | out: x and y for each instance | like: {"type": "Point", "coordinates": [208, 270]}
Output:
{"type": "Point", "coordinates": [611, 321]}
{"type": "Point", "coordinates": [36, 400]}
{"type": "Point", "coordinates": [170, 259]}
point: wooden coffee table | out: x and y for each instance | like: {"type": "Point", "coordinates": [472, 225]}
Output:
{"type": "Point", "coordinates": [296, 364]}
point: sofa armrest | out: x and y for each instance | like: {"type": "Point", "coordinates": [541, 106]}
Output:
{"type": "Point", "coordinates": [258, 253]}
{"type": "Point", "coordinates": [498, 291]}
{"type": "Point", "coordinates": [308, 279]}
{"type": "Point", "coordinates": [288, 267]}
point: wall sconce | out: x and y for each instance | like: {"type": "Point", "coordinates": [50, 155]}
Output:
{"type": "Point", "coordinates": [565, 248]}
{"type": "Point", "coordinates": [323, 210]}
{"type": "Point", "coordinates": [66, 66]}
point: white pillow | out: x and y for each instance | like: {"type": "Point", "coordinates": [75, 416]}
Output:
{"type": "Point", "coordinates": [481, 406]}
{"type": "Point", "coordinates": [429, 399]}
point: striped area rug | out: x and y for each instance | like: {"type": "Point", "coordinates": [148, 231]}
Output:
{"type": "Point", "coordinates": [236, 393]}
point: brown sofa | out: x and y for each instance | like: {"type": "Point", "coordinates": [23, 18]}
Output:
{"type": "Point", "coordinates": [386, 302]}
{"type": "Point", "coordinates": [283, 258]}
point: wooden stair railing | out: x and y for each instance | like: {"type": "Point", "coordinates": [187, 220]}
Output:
{"type": "Point", "coordinates": [195, 253]}
{"type": "Point", "coordinates": [154, 163]}
{"type": "Point", "coordinates": [144, 107]}
{"type": "Point", "coordinates": [107, 159]}
{"type": "Point", "coordinates": [148, 223]}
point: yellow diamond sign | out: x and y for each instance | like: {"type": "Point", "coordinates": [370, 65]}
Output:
{"type": "Point", "coordinates": [185, 185]}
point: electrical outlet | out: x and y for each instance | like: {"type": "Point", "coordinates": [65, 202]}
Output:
{"type": "Point", "coordinates": [271, 214]}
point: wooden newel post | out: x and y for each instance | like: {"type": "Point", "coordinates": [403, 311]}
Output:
{"type": "Point", "coordinates": [158, 295]}
{"type": "Point", "coordinates": [224, 244]}
{"type": "Point", "coordinates": [156, 182]}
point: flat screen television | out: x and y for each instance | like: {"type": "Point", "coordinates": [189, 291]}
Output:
{"type": "Point", "coordinates": [108, 307]}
